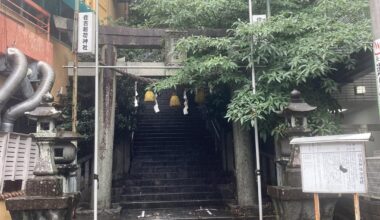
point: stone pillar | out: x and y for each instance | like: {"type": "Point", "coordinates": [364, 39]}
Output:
{"type": "Point", "coordinates": [244, 165]}
{"type": "Point", "coordinates": [107, 95]}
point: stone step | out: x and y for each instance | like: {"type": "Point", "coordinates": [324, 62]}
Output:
{"type": "Point", "coordinates": [171, 196]}
{"type": "Point", "coordinates": [171, 203]}
{"type": "Point", "coordinates": [158, 147]}
{"type": "Point", "coordinates": [153, 157]}
{"type": "Point", "coordinates": [172, 158]}
{"type": "Point", "coordinates": [171, 169]}
{"type": "Point", "coordinates": [140, 151]}
{"type": "Point", "coordinates": [162, 182]}
{"type": "Point", "coordinates": [163, 133]}
{"type": "Point", "coordinates": [170, 129]}
{"type": "Point", "coordinates": [175, 163]}
{"type": "Point", "coordinates": [181, 125]}
{"type": "Point", "coordinates": [169, 118]}
{"type": "Point", "coordinates": [147, 138]}
{"type": "Point", "coordinates": [166, 141]}
{"type": "Point", "coordinates": [173, 175]}
{"type": "Point", "coordinates": [168, 189]}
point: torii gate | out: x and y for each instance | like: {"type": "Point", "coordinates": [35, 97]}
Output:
{"type": "Point", "coordinates": [112, 37]}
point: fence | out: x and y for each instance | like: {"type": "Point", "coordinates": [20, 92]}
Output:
{"type": "Point", "coordinates": [18, 156]}
{"type": "Point", "coordinates": [35, 15]}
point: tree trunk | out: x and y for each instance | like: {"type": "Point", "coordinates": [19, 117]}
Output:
{"type": "Point", "coordinates": [244, 165]}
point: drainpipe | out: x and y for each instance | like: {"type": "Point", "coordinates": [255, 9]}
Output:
{"type": "Point", "coordinates": [18, 110]}
{"type": "Point", "coordinates": [19, 70]}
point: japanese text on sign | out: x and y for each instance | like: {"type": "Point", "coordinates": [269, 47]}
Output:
{"type": "Point", "coordinates": [86, 33]}
{"type": "Point", "coordinates": [333, 168]}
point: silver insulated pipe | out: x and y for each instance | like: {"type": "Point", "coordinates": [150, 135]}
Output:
{"type": "Point", "coordinates": [19, 69]}
{"type": "Point", "coordinates": [18, 110]}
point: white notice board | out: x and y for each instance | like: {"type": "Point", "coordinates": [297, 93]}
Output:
{"type": "Point", "coordinates": [333, 167]}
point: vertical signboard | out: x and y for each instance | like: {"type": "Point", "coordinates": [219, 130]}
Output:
{"type": "Point", "coordinates": [376, 52]}
{"type": "Point", "coordinates": [86, 32]}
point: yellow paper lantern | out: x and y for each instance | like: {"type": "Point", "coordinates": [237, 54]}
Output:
{"type": "Point", "coordinates": [149, 96]}
{"type": "Point", "coordinates": [200, 96]}
{"type": "Point", "coordinates": [174, 101]}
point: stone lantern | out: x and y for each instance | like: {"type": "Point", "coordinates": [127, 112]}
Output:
{"type": "Point", "coordinates": [45, 194]}
{"type": "Point", "coordinates": [289, 200]}
{"type": "Point", "coordinates": [296, 116]}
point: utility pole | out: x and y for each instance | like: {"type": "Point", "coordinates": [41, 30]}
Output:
{"type": "Point", "coordinates": [74, 104]}
{"type": "Point", "coordinates": [72, 181]}
{"type": "Point", "coordinates": [257, 148]}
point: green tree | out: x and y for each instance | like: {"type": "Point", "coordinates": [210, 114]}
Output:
{"type": "Point", "coordinates": [300, 46]}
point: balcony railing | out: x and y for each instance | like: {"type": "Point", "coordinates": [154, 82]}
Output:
{"type": "Point", "coordinates": [33, 13]}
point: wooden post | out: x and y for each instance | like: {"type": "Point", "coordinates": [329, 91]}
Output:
{"type": "Point", "coordinates": [316, 207]}
{"type": "Point", "coordinates": [356, 206]}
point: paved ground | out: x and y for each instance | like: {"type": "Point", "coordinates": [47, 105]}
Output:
{"type": "Point", "coordinates": [179, 214]}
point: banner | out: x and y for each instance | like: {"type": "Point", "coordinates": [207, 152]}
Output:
{"type": "Point", "coordinates": [376, 52]}
{"type": "Point", "coordinates": [86, 32]}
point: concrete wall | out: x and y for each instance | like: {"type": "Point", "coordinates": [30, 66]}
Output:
{"type": "Point", "coordinates": [18, 32]}
{"type": "Point", "coordinates": [61, 56]}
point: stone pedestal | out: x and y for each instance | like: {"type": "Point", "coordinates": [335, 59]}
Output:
{"type": "Point", "coordinates": [44, 200]}
{"type": "Point", "coordinates": [292, 204]}
{"type": "Point", "coordinates": [42, 207]}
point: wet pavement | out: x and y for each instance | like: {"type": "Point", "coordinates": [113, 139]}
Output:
{"type": "Point", "coordinates": [170, 214]}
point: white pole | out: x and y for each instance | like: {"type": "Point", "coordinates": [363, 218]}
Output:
{"type": "Point", "coordinates": [257, 149]}
{"type": "Point", "coordinates": [96, 110]}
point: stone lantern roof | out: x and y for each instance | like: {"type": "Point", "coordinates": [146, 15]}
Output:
{"type": "Point", "coordinates": [45, 110]}
{"type": "Point", "coordinates": [297, 105]}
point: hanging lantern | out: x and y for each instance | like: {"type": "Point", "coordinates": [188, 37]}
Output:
{"type": "Point", "coordinates": [149, 96]}
{"type": "Point", "coordinates": [174, 101]}
{"type": "Point", "coordinates": [200, 96]}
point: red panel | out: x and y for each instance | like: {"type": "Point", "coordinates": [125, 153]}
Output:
{"type": "Point", "coordinates": [32, 44]}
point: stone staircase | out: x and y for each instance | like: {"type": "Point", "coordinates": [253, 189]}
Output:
{"type": "Point", "coordinates": [175, 172]}
{"type": "Point", "coordinates": [173, 165]}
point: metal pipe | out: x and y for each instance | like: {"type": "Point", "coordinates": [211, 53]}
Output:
{"type": "Point", "coordinates": [96, 141]}
{"type": "Point", "coordinates": [75, 70]}
{"type": "Point", "coordinates": [18, 110]}
{"type": "Point", "coordinates": [37, 7]}
{"type": "Point", "coordinates": [19, 70]}
{"type": "Point", "coordinates": [257, 148]}
{"type": "Point", "coordinates": [128, 67]}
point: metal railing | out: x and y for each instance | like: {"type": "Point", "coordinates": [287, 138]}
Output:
{"type": "Point", "coordinates": [84, 173]}
{"type": "Point", "coordinates": [37, 16]}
